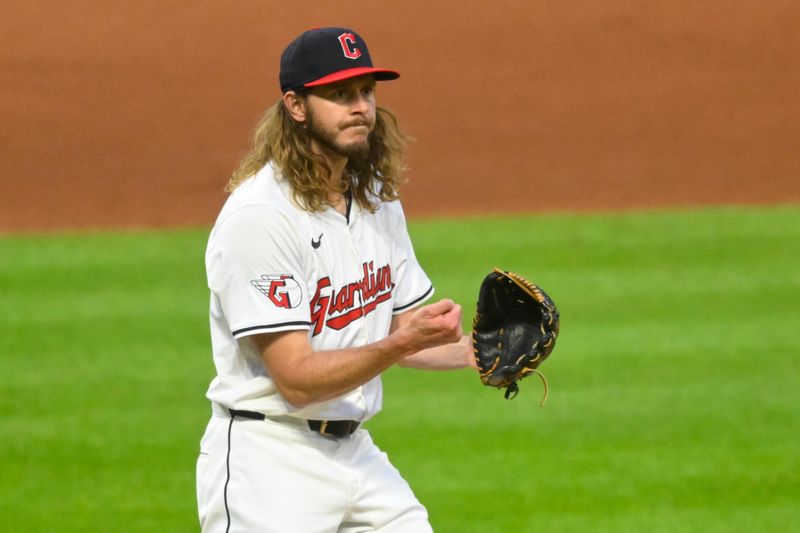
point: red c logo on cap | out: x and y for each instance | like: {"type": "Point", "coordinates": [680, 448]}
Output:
{"type": "Point", "coordinates": [348, 41]}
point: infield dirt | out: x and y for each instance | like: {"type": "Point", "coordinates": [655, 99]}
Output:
{"type": "Point", "coordinates": [134, 114]}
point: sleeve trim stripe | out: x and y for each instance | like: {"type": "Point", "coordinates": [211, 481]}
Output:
{"type": "Point", "coordinates": [414, 302]}
{"type": "Point", "coordinates": [239, 332]}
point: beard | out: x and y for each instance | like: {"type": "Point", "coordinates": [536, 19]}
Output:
{"type": "Point", "coordinates": [357, 152]}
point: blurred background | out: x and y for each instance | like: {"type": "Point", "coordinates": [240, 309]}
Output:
{"type": "Point", "coordinates": [135, 113]}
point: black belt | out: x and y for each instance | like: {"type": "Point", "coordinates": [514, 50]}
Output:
{"type": "Point", "coordinates": [329, 428]}
{"type": "Point", "coordinates": [333, 428]}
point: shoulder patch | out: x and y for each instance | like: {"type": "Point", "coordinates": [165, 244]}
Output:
{"type": "Point", "coordinates": [280, 289]}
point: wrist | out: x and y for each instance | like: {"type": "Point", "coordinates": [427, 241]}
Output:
{"type": "Point", "coordinates": [400, 344]}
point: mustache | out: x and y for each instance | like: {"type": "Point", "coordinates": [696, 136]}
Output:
{"type": "Point", "coordinates": [353, 123]}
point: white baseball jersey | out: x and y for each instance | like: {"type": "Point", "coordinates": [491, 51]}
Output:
{"type": "Point", "coordinates": [273, 266]}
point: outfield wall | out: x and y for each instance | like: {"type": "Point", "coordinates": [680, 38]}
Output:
{"type": "Point", "coordinates": [134, 113]}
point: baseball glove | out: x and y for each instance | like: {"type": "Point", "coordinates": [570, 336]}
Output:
{"type": "Point", "coordinates": [515, 329]}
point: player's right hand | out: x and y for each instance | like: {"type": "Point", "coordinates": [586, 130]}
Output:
{"type": "Point", "coordinates": [433, 325]}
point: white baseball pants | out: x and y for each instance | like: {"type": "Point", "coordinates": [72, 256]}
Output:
{"type": "Point", "coordinates": [280, 477]}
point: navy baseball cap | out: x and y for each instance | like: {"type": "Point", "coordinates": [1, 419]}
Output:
{"type": "Point", "coordinates": [327, 55]}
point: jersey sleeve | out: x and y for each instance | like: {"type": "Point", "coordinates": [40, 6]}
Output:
{"type": "Point", "coordinates": [256, 269]}
{"type": "Point", "coordinates": [412, 285]}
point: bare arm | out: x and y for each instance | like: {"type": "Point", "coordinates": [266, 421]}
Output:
{"type": "Point", "coordinates": [303, 376]}
{"type": "Point", "coordinates": [444, 357]}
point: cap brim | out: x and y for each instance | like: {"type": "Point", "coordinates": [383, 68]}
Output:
{"type": "Point", "coordinates": [380, 74]}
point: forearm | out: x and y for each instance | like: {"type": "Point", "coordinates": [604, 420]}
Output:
{"type": "Point", "coordinates": [319, 376]}
{"type": "Point", "coordinates": [446, 357]}
{"type": "Point", "coordinates": [304, 376]}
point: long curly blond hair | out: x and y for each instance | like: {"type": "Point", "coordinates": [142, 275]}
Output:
{"type": "Point", "coordinates": [284, 141]}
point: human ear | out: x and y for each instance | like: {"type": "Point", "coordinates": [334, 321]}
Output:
{"type": "Point", "coordinates": [295, 105]}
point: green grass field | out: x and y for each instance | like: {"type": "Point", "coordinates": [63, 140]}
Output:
{"type": "Point", "coordinates": [674, 388]}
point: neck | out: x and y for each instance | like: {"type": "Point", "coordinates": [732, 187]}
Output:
{"type": "Point", "coordinates": [336, 162]}
{"type": "Point", "coordinates": [339, 202]}
{"type": "Point", "coordinates": [337, 167]}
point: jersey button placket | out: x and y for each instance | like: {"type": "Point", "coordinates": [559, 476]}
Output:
{"type": "Point", "coordinates": [363, 337]}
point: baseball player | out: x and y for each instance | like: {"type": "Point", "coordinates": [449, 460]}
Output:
{"type": "Point", "coordinates": [315, 291]}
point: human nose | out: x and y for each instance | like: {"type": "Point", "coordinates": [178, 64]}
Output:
{"type": "Point", "coordinates": [360, 104]}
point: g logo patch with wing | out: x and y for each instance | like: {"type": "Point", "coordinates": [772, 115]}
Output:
{"type": "Point", "coordinates": [281, 289]}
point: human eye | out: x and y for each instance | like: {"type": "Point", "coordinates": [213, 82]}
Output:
{"type": "Point", "coordinates": [340, 94]}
